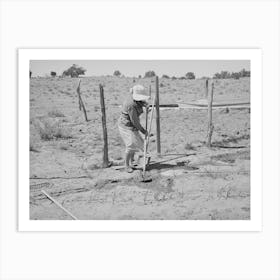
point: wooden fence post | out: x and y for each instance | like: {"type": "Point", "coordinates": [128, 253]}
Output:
{"type": "Point", "coordinates": [210, 124]}
{"type": "Point", "coordinates": [81, 103]}
{"type": "Point", "coordinates": [157, 117]}
{"type": "Point", "coordinates": [146, 117]}
{"type": "Point", "coordinates": [206, 89]}
{"type": "Point", "coordinates": [105, 137]}
{"type": "Point", "coordinates": [147, 110]}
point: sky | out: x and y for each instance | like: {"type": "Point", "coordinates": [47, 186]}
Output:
{"type": "Point", "coordinates": [134, 68]}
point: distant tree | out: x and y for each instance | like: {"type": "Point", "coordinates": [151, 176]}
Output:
{"type": "Point", "coordinates": [225, 75]}
{"type": "Point", "coordinates": [165, 76]}
{"type": "Point", "coordinates": [53, 74]}
{"type": "Point", "coordinates": [190, 76]}
{"type": "Point", "coordinates": [182, 78]}
{"type": "Point", "coordinates": [149, 74]}
{"type": "Point", "coordinates": [217, 76]}
{"type": "Point", "coordinates": [244, 73]}
{"type": "Point", "coordinates": [235, 75]}
{"type": "Point", "coordinates": [222, 75]}
{"type": "Point", "coordinates": [117, 73]}
{"type": "Point", "coordinates": [74, 71]}
{"type": "Point", "coordinates": [139, 77]}
{"type": "Point", "coordinates": [174, 78]}
{"type": "Point", "coordinates": [30, 74]}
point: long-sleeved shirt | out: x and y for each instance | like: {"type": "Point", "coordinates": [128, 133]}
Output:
{"type": "Point", "coordinates": [131, 110]}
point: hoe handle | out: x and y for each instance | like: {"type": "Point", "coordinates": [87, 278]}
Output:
{"type": "Point", "coordinates": [147, 137]}
{"type": "Point", "coordinates": [150, 124]}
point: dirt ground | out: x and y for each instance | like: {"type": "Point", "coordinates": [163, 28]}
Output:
{"type": "Point", "coordinates": [189, 180]}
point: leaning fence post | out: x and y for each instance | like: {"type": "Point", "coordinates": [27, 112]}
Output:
{"type": "Point", "coordinates": [157, 117]}
{"type": "Point", "coordinates": [210, 124]}
{"type": "Point", "coordinates": [81, 103]}
{"type": "Point", "coordinates": [105, 137]}
{"type": "Point", "coordinates": [206, 89]}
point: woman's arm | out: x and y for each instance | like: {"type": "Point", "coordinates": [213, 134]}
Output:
{"type": "Point", "coordinates": [135, 120]}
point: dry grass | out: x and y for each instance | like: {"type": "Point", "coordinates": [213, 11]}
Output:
{"type": "Point", "coordinates": [189, 147]}
{"type": "Point", "coordinates": [49, 129]}
{"type": "Point", "coordinates": [55, 113]}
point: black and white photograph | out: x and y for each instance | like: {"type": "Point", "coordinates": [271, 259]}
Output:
{"type": "Point", "coordinates": [140, 139]}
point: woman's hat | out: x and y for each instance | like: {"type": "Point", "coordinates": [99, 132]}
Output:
{"type": "Point", "coordinates": [139, 93]}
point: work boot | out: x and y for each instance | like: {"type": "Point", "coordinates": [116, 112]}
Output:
{"type": "Point", "coordinates": [128, 169]}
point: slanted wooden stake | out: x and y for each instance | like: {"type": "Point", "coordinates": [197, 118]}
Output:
{"type": "Point", "coordinates": [157, 117]}
{"type": "Point", "coordinates": [210, 124]}
{"type": "Point", "coordinates": [206, 88]}
{"type": "Point", "coordinates": [105, 137]}
{"type": "Point", "coordinates": [59, 205]}
{"type": "Point", "coordinates": [81, 103]}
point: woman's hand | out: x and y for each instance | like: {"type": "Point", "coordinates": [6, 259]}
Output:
{"type": "Point", "coordinates": [147, 134]}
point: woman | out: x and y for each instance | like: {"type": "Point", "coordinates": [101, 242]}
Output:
{"type": "Point", "coordinates": [129, 123]}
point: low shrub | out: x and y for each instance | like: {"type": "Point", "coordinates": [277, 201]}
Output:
{"type": "Point", "coordinates": [189, 146]}
{"type": "Point", "coordinates": [55, 113]}
{"type": "Point", "coordinates": [165, 76]}
{"type": "Point", "coordinates": [49, 129]}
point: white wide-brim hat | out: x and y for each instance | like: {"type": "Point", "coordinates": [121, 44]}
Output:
{"type": "Point", "coordinates": [139, 93]}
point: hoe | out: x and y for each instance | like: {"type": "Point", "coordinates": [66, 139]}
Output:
{"type": "Point", "coordinates": [146, 159]}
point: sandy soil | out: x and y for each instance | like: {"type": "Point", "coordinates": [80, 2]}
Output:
{"type": "Point", "coordinates": [189, 181]}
